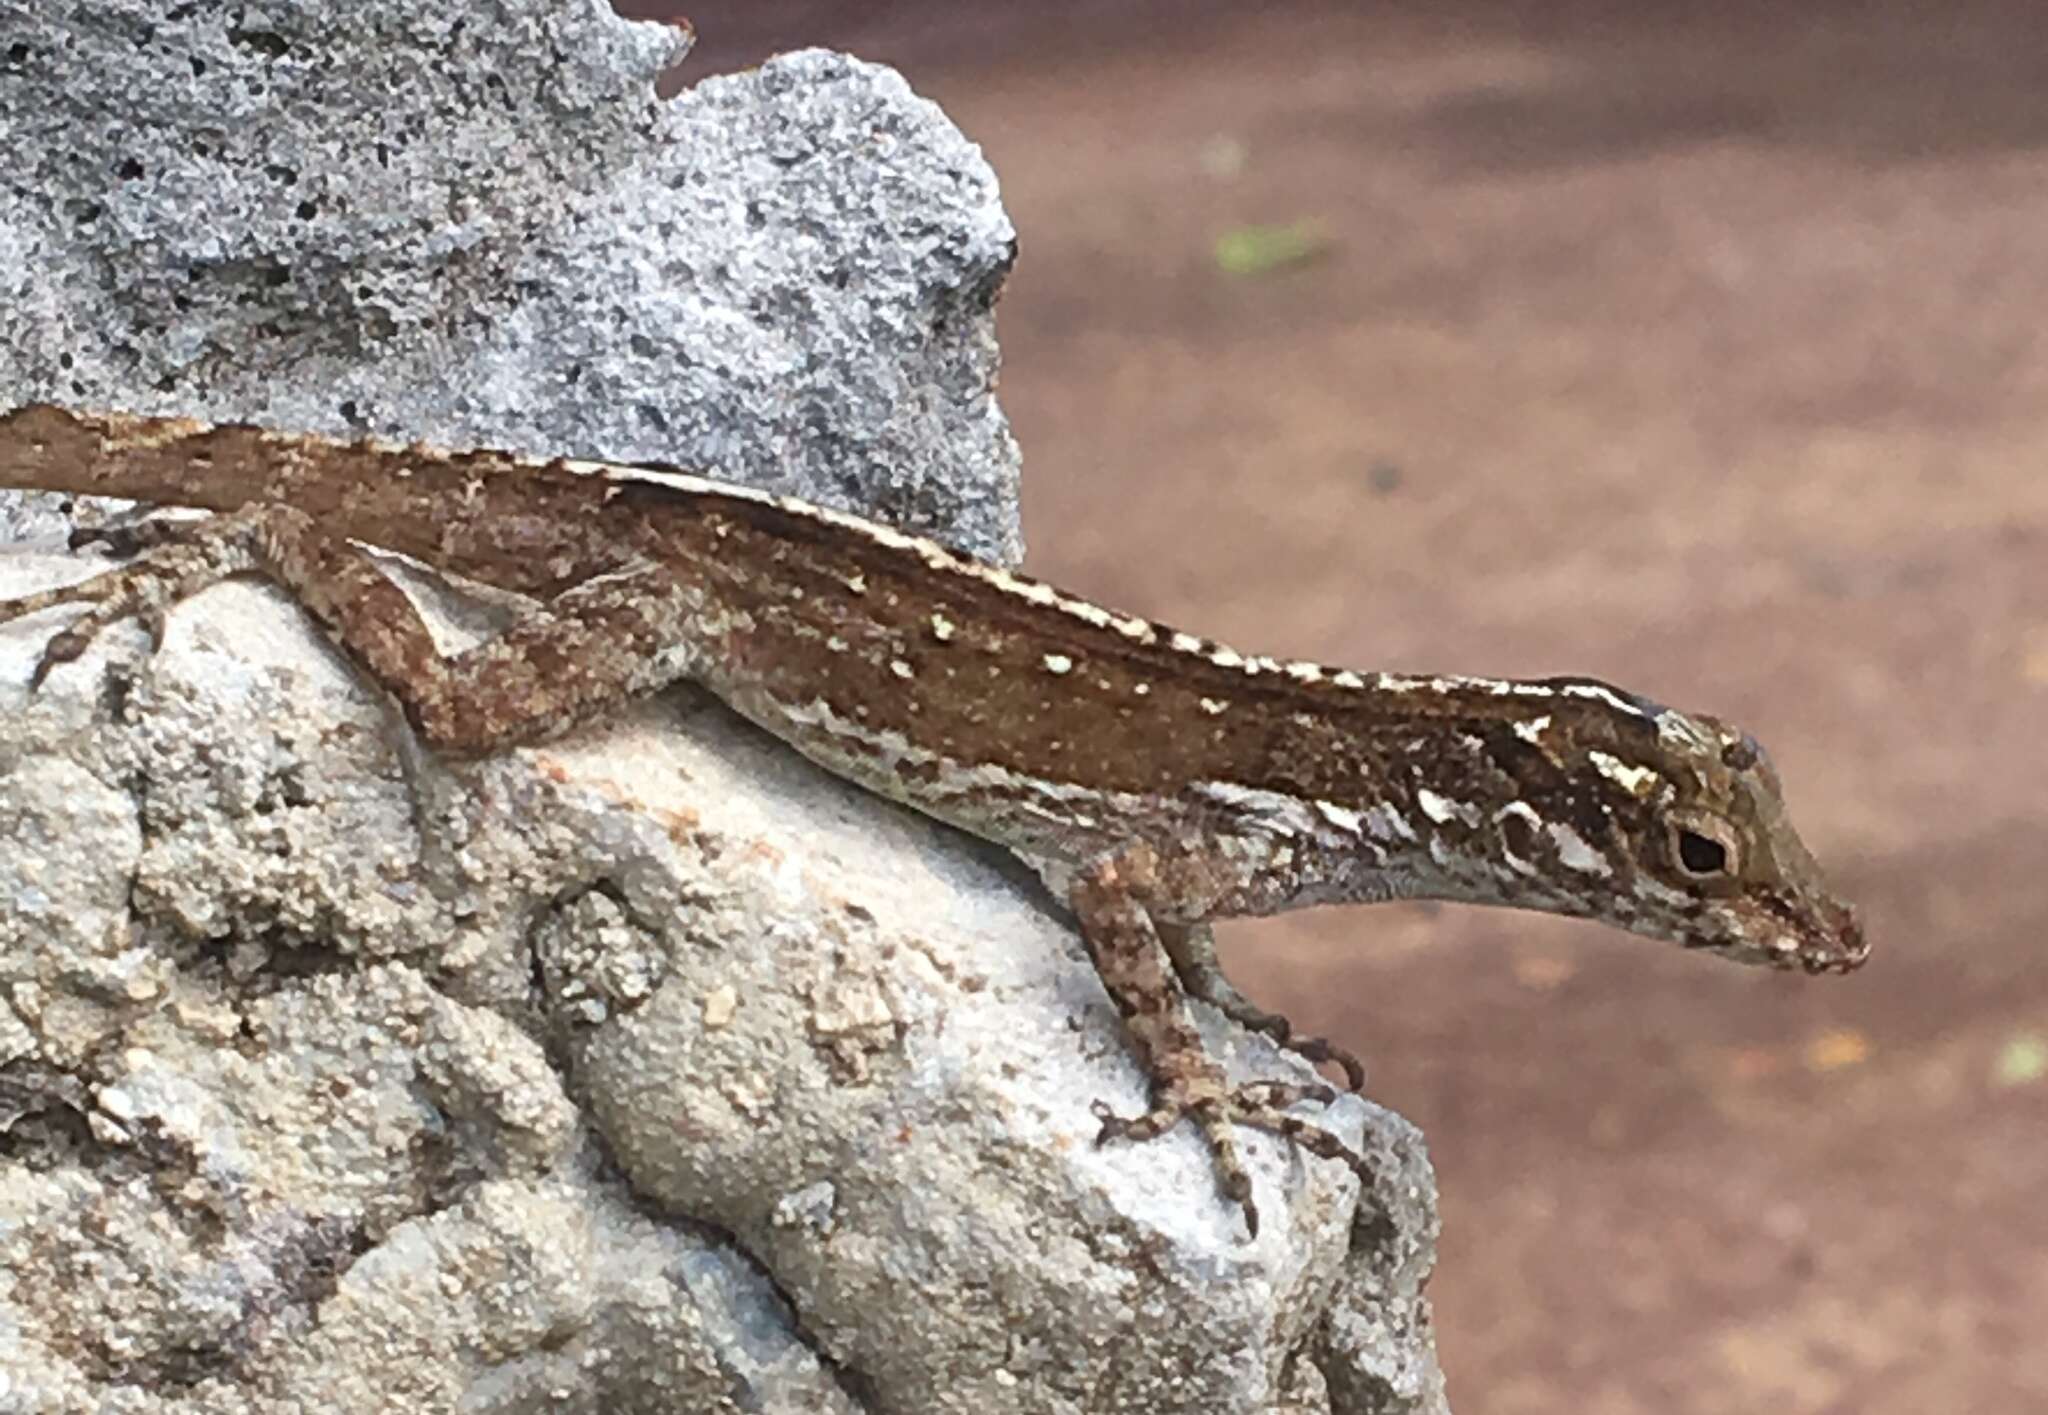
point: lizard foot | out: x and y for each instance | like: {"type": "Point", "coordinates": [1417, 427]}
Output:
{"type": "Point", "coordinates": [178, 559]}
{"type": "Point", "coordinates": [1261, 1105]}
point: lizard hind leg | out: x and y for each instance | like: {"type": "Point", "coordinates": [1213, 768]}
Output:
{"type": "Point", "coordinates": [599, 640]}
{"type": "Point", "coordinates": [1131, 958]}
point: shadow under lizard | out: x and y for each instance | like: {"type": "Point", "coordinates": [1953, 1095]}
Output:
{"type": "Point", "coordinates": [1154, 780]}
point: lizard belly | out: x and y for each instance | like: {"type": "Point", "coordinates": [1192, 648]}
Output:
{"type": "Point", "coordinates": [1048, 824]}
{"type": "Point", "coordinates": [1257, 852]}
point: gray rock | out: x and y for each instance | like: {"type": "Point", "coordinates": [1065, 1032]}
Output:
{"type": "Point", "coordinates": [648, 1070]}
{"type": "Point", "coordinates": [475, 225]}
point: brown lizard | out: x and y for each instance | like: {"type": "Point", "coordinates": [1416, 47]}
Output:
{"type": "Point", "coordinates": [1154, 780]}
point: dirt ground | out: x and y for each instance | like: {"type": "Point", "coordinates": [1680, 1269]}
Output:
{"type": "Point", "coordinates": [1696, 347]}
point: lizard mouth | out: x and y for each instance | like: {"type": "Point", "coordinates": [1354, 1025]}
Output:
{"type": "Point", "coordinates": [1847, 948]}
{"type": "Point", "coordinates": [1818, 966]}
{"type": "Point", "coordinates": [1819, 936]}
{"type": "Point", "coordinates": [1828, 939]}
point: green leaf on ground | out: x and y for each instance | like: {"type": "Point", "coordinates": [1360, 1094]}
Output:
{"type": "Point", "coordinates": [2022, 1061]}
{"type": "Point", "coordinates": [1261, 250]}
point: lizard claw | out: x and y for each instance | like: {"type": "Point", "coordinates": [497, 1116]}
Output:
{"type": "Point", "coordinates": [63, 647]}
{"type": "Point", "coordinates": [1317, 1051]}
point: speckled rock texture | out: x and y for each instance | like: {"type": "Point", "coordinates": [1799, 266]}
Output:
{"type": "Point", "coordinates": [475, 223]}
{"type": "Point", "coordinates": [651, 1069]}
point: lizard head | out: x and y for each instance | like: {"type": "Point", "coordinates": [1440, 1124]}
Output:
{"type": "Point", "coordinates": [1708, 856]}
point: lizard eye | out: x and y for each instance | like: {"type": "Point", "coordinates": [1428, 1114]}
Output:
{"type": "Point", "coordinates": [1704, 849]}
{"type": "Point", "coordinates": [1700, 855]}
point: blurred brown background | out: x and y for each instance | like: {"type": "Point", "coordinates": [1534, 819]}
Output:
{"type": "Point", "coordinates": [1697, 347]}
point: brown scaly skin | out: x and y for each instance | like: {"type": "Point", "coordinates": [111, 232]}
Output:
{"type": "Point", "coordinates": [1156, 781]}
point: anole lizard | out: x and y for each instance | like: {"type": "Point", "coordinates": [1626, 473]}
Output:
{"type": "Point", "coordinates": [1154, 780]}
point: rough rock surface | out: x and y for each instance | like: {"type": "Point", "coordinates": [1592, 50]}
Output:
{"type": "Point", "coordinates": [474, 223]}
{"type": "Point", "coordinates": [649, 1070]}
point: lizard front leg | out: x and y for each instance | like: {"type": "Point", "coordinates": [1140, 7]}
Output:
{"type": "Point", "coordinates": [1108, 897]}
{"type": "Point", "coordinates": [601, 640]}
